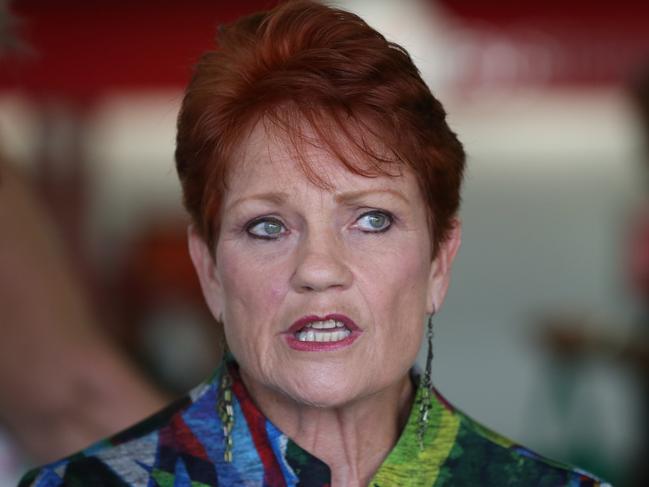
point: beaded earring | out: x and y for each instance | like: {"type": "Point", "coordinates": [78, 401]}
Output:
{"type": "Point", "coordinates": [426, 384]}
{"type": "Point", "coordinates": [226, 414]}
{"type": "Point", "coordinates": [224, 402]}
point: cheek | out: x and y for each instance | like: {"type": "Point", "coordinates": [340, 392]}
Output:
{"type": "Point", "coordinates": [413, 282]}
{"type": "Point", "coordinates": [277, 292]}
{"type": "Point", "coordinates": [395, 274]}
{"type": "Point", "coordinates": [250, 286]}
{"type": "Point", "coordinates": [395, 286]}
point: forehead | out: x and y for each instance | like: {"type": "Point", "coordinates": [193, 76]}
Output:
{"type": "Point", "coordinates": [270, 159]}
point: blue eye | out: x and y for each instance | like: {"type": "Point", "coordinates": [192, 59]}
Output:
{"type": "Point", "coordinates": [374, 221]}
{"type": "Point", "coordinates": [267, 229]}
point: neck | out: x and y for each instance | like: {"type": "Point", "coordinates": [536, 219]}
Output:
{"type": "Point", "coordinates": [346, 437]}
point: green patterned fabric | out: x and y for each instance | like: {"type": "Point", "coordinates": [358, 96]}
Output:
{"type": "Point", "coordinates": [460, 452]}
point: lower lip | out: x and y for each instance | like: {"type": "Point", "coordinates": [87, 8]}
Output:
{"type": "Point", "coordinates": [296, 344]}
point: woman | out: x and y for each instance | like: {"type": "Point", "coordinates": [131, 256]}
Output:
{"type": "Point", "coordinates": [323, 184]}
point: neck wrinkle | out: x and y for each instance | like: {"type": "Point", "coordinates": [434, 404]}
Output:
{"type": "Point", "coordinates": [353, 440]}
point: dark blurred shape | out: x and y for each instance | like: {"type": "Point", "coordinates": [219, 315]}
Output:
{"type": "Point", "coordinates": [10, 43]}
{"type": "Point", "coordinates": [639, 88]}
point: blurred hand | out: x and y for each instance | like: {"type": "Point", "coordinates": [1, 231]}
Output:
{"type": "Point", "coordinates": [62, 384]}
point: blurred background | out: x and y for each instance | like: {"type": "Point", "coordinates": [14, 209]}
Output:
{"type": "Point", "coordinates": [544, 333]}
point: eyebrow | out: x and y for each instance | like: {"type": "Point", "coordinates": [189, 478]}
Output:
{"type": "Point", "coordinates": [356, 195]}
{"type": "Point", "coordinates": [272, 197]}
{"type": "Point", "coordinates": [279, 198]}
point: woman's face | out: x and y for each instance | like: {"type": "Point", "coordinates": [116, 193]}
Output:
{"type": "Point", "coordinates": [323, 292]}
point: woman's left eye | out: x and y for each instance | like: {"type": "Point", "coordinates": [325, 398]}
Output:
{"type": "Point", "coordinates": [374, 221]}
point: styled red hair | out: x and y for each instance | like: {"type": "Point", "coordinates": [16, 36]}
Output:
{"type": "Point", "coordinates": [303, 62]}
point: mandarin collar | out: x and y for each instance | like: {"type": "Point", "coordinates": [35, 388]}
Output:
{"type": "Point", "coordinates": [261, 449]}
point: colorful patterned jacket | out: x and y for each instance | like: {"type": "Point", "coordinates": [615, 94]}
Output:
{"type": "Point", "coordinates": [183, 445]}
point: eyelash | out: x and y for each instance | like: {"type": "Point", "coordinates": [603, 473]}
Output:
{"type": "Point", "coordinates": [257, 221]}
{"type": "Point", "coordinates": [386, 214]}
{"type": "Point", "coordinates": [260, 220]}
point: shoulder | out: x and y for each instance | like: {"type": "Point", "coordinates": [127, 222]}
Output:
{"type": "Point", "coordinates": [480, 453]}
{"type": "Point", "coordinates": [126, 458]}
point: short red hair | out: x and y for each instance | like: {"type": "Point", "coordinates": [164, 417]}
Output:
{"type": "Point", "coordinates": [306, 62]}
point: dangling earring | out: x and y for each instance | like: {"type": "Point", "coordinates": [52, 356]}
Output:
{"type": "Point", "coordinates": [224, 404]}
{"type": "Point", "coordinates": [425, 384]}
{"type": "Point", "coordinates": [226, 414]}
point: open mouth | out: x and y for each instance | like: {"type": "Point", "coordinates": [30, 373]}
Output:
{"type": "Point", "coordinates": [323, 331]}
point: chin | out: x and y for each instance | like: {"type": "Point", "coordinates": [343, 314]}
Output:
{"type": "Point", "coordinates": [324, 392]}
{"type": "Point", "coordinates": [324, 399]}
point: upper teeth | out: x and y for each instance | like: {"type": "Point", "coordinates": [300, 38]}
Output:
{"type": "Point", "coordinates": [323, 325]}
{"type": "Point", "coordinates": [336, 331]}
{"type": "Point", "coordinates": [323, 336]}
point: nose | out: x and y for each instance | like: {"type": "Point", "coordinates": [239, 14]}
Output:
{"type": "Point", "coordinates": [320, 265]}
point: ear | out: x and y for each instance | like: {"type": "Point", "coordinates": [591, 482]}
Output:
{"type": "Point", "coordinates": [440, 269]}
{"type": "Point", "coordinates": [205, 266]}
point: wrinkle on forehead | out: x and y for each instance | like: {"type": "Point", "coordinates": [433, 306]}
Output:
{"type": "Point", "coordinates": [312, 147]}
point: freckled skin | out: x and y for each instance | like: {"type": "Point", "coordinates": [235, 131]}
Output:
{"type": "Point", "coordinates": [325, 260]}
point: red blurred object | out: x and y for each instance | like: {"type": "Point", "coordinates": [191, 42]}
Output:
{"type": "Point", "coordinates": [82, 48]}
{"type": "Point", "coordinates": [157, 265]}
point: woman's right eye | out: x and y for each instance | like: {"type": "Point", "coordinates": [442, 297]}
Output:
{"type": "Point", "coordinates": [266, 229]}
